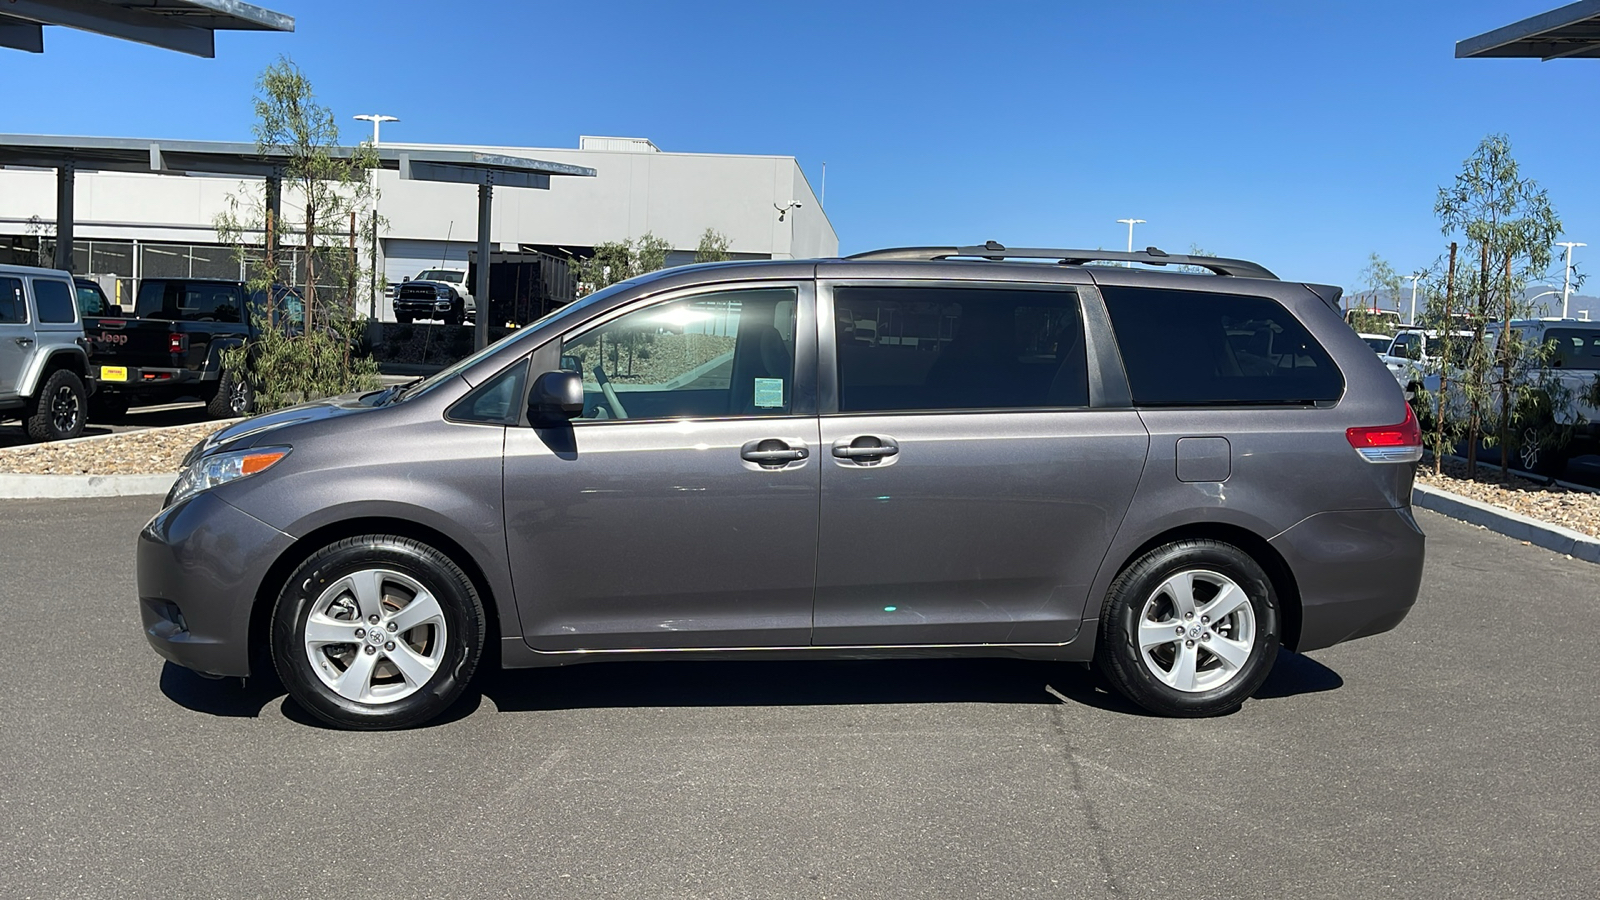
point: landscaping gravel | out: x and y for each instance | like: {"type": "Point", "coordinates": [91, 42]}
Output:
{"type": "Point", "coordinates": [1577, 510]}
{"type": "Point", "coordinates": [154, 451]}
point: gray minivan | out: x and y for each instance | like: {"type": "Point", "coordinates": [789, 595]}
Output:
{"type": "Point", "coordinates": [925, 451]}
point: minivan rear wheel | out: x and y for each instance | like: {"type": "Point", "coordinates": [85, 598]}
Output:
{"type": "Point", "coordinates": [1189, 629]}
{"type": "Point", "coordinates": [377, 632]}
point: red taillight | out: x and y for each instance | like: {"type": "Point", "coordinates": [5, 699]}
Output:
{"type": "Point", "coordinates": [1388, 443]}
{"type": "Point", "coordinates": [177, 343]}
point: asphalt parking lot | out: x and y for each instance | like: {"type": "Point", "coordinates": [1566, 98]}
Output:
{"type": "Point", "coordinates": [1457, 756]}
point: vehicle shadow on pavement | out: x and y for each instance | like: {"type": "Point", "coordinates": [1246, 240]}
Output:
{"type": "Point", "coordinates": [753, 683]}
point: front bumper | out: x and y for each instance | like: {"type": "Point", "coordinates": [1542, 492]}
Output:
{"type": "Point", "coordinates": [1358, 572]}
{"type": "Point", "coordinates": [199, 566]}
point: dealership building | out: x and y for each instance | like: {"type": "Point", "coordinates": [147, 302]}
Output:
{"type": "Point", "coordinates": [129, 225]}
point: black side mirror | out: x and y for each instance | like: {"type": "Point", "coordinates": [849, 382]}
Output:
{"type": "Point", "coordinates": [556, 394]}
{"type": "Point", "coordinates": [115, 311]}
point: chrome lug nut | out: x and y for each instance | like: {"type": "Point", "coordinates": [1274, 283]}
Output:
{"type": "Point", "coordinates": [1188, 643]}
{"type": "Point", "coordinates": [392, 626]}
{"type": "Point", "coordinates": [389, 646]}
{"type": "Point", "coordinates": [1188, 615]}
{"type": "Point", "coordinates": [1206, 636]}
{"type": "Point", "coordinates": [371, 649]}
{"type": "Point", "coordinates": [1206, 619]}
{"type": "Point", "coordinates": [372, 619]}
{"type": "Point", "coordinates": [1179, 630]}
{"type": "Point", "coordinates": [361, 632]}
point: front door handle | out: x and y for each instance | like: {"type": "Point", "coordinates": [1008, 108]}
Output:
{"type": "Point", "coordinates": [772, 453]}
{"type": "Point", "coordinates": [866, 449]}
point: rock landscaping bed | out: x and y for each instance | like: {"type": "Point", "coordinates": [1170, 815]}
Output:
{"type": "Point", "coordinates": [1577, 510]}
{"type": "Point", "coordinates": [155, 451]}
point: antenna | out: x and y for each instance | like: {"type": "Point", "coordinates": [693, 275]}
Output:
{"type": "Point", "coordinates": [446, 250]}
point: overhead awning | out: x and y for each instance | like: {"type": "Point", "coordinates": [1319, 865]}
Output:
{"type": "Point", "coordinates": [1571, 32]}
{"type": "Point", "coordinates": [187, 26]}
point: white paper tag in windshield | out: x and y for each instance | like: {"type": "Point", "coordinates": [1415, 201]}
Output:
{"type": "Point", "coordinates": [769, 393]}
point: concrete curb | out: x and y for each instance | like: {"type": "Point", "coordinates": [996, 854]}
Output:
{"type": "Point", "coordinates": [1510, 524]}
{"type": "Point", "coordinates": [61, 487]}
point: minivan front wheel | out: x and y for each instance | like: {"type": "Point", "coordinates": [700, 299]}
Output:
{"type": "Point", "coordinates": [1189, 629]}
{"type": "Point", "coordinates": [377, 632]}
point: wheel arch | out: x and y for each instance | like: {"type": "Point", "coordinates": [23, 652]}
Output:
{"type": "Point", "coordinates": [272, 583]}
{"type": "Point", "coordinates": [1259, 549]}
{"type": "Point", "coordinates": [73, 359]}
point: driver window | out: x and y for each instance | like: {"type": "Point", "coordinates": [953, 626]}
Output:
{"type": "Point", "coordinates": [729, 353]}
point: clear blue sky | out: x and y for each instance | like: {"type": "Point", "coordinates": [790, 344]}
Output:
{"type": "Point", "coordinates": [1301, 135]}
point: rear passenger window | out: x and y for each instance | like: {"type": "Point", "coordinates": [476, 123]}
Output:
{"type": "Point", "coordinates": [1189, 348]}
{"type": "Point", "coordinates": [191, 302]}
{"type": "Point", "coordinates": [934, 348]}
{"type": "Point", "coordinates": [1574, 349]}
{"type": "Point", "coordinates": [13, 307]}
{"type": "Point", "coordinates": [54, 301]}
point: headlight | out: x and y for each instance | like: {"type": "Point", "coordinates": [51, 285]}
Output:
{"type": "Point", "coordinates": [207, 472]}
{"type": "Point", "coordinates": [442, 291]}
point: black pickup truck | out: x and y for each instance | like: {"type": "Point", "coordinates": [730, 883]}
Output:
{"type": "Point", "coordinates": [171, 347]}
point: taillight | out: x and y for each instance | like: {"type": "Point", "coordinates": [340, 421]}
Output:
{"type": "Point", "coordinates": [177, 343]}
{"type": "Point", "coordinates": [1388, 443]}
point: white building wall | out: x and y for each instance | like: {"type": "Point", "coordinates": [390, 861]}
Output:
{"type": "Point", "coordinates": [676, 196]}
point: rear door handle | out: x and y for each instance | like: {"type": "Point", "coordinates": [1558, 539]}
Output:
{"type": "Point", "coordinates": [24, 342]}
{"type": "Point", "coordinates": [866, 449]}
{"type": "Point", "coordinates": [772, 453]}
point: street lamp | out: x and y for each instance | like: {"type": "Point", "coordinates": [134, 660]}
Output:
{"type": "Point", "coordinates": [376, 120]}
{"type": "Point", "coordinates": [1414, 279]}
{"type": "Point", "coordinates": [1130, 223]}
{"type": "Point", "coordinates": [1566, 286]}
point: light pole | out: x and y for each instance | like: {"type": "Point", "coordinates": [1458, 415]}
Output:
{"type": "Point", "coordinates": [1130, 223]}
{"type": "Point", "coordinates": [376, 120]}
{"type": "Point", "coordinates": [372, 285]}
{"type": "Point", "coordinates": [1414, 279]}
{"type": "Point", "coordinates": [1566, 285]}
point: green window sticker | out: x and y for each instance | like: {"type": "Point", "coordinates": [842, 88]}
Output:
{"type": "Point", "coordinates": [769, 393]}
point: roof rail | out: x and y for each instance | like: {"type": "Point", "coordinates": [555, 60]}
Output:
{"type": "Point", "coordinates": [994, 250]}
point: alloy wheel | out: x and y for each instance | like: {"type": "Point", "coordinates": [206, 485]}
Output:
{"type": "Point", "coordinates": [375, 636]}
{"type": "Point", "coordinates": [1196, 631]}
{"type": "Point", "coordinates": [65, 410]}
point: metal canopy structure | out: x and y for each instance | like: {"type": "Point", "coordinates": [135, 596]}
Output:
{"type": "Point", "coordinates": [187, 26]}
{"type": "Point", "coordinates": [1571, 32]}
{"type": "Point", "coordinates": [69, 154]}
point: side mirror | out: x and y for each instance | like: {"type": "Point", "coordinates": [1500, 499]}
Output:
{"type": "Point", "coordinates": [556, 394]}
{"type": "Point", "coordinates": [115, 311]}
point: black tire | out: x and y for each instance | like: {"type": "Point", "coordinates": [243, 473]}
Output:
{"type": "Point", "coordinates": [108, 406]}
{"type": "Point", "coordinates": [403, 318]}
{"type": "Point", "coordinates": [455, 316]}
{"type": "Point", "coordinates": [319, 576]}
{"type": "Point", "coordinates": [234, 398]}
{"type": "Point", "coordinates": [59, 407]}
{"type": "Point", "coordinates": [1119, 659]}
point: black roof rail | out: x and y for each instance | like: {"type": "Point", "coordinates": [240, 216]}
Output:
{"type": "Point", "coordinates": [994, 250]}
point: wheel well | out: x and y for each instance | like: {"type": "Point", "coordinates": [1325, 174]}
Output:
{"type": "Point", "coordinates": [1262, 552]}
{"type": "Point", "coordinates": [300, 550]}
{"type": "Point", "coordinates": [70, 361]}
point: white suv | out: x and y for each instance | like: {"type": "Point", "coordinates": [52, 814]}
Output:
{"type": "Point", "coordinates": [44, 370]}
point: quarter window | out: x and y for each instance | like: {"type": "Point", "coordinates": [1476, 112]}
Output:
{"type": "Point", "coordinates": [729, 353]}
{"type": "Point", "coordinates": [1574, 349]}
{"type": "Point", "coordinates": [1189, 348]}
{"type": "Point", "coordinates": [13, 307]}
{"type": "Point", "coordinates": [938, 348]}
{"type": "Point", "coordinates": [54, 301]}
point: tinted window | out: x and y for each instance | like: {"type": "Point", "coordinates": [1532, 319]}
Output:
{"type": "Point", "coordinates": [1193, 348]}
{"type": "Point", "coordinates": [1574, 349]}
{"type": "Point", "coordinates": [54, 301]}
{"type": "Point", "coordinates": [13, 307]}
{"type": "Point", "coordinates": [196, 301]}
{"type": "Point", "coordinates": [92, 301]}
{"type": "Point", "coordinates": [926, 348]}
{"type": "Point", "coordinates": [719, 354]}
{"type": "Point", "coordinates": [1408, 345]}
{"type": "Point", "coordinates": [1380, 344]}
{"type": "Point", "coordinates": [498, 403]}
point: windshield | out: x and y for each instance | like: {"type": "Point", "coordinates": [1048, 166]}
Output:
{"type": "Point", "coordinates": [521, 334]}
{"type": "Point", "coordinates": [1380, 344]}
{"type": "Point", "coordinates": [454, 276]}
